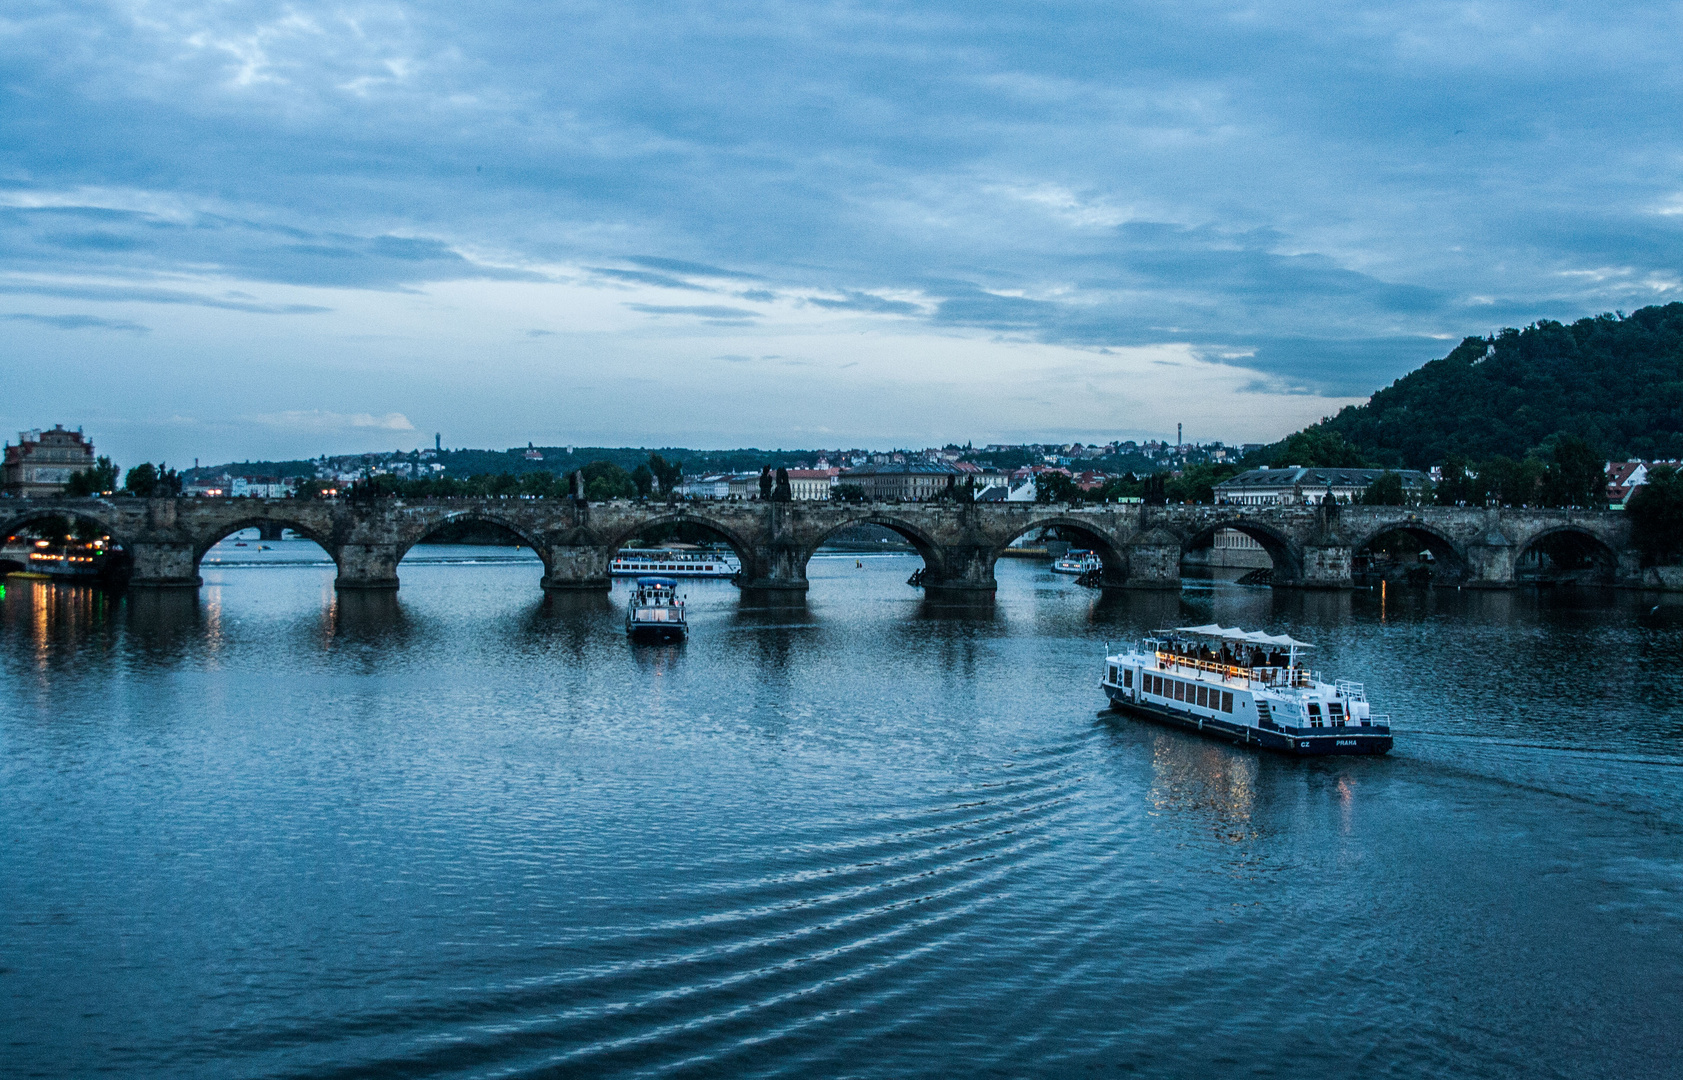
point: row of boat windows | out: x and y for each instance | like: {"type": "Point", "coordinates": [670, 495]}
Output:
{"type": "Point", "coordinates": [663, 566]}
{"type": "Point", "coordinates": [1205, 697]}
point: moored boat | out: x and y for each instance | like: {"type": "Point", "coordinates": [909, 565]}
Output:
{"type": "Point", "coordinates": [631, 562]}
{"type": "Point", "coordinates": [1077, 561]}
{"type": "Point", "coordinates": [655, 611]}
{"type": "Point", "coordinates": [1246, 687]}
{"type": "Point", "coordinates": [70, 560]}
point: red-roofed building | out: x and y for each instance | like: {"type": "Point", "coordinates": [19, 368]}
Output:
{"type": "Point", "coordinates": [1624, 477]}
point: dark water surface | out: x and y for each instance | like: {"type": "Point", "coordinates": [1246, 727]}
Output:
{"type": "Point", "coordinates": [267, 831]}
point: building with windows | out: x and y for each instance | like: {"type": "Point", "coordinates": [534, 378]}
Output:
{"type": "Point", "coordinates": [983, 476]}
{"type": "Point", "coordinates": [42, 461]}
{"type": "Point", "coordinates": [1295, 484]}
{"type": "Point", "coordinates": [812, 483]}
{"type": "Point", "coordinates": [912, 481]}
{"type": "Point", "coordinates": [259, 487]}
{"type": "Point", "coordinates": [1624, 477]}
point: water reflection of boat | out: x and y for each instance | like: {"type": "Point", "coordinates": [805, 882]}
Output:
{"type": "Point", "coordinates": [1245, 687]}
{"type": "Point", "coordinates": [1077, 561]}
{"type": "Point", "coordinates": [655, 612]}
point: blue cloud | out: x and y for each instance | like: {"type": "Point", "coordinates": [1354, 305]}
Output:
{"type": "Point", "coordinates": [147, 295]}
{"type": "Point", "coordinates": [644, 277]}
{"type": "Point", "coordinates": [94, 240]}
{"type": "Point", "coordinates": [861, 301]}
{"type": "Point", "coordinates": [76, 322]}
{"type": "Point", "coordinates": [679, 266]}
{"type": "Point", "coordinates": [705, 311]}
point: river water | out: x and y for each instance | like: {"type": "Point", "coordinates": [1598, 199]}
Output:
{"type": "Point", "coordinates": [265, 831]}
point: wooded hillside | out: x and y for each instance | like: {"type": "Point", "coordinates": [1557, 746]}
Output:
{"type": "Point", "coordinates": [1615, 381]}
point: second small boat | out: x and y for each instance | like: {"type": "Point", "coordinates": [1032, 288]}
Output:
{"type": "Point", "coordinates": [655, 612]}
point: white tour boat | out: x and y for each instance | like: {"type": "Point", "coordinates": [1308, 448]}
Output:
{"type": "Point", "coordinates": [1245, 687]}
{"type": "Point", "coordinates": [655, 611]}
{"type": "Point", "coordinates": [632, 562]}
{"type": "Point", "coordinates": [1077, 561]}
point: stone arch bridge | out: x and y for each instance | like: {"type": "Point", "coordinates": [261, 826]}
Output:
{"type": "Point", "coordinates": [1140, 546]}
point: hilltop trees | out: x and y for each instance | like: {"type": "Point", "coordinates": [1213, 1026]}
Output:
{"type": "Point", "coordinates": [1317, 448]}
{"type": "Point", "coordinates": [1615, 381]}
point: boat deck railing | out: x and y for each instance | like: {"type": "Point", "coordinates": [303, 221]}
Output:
{"type": "Point", "coordinates": [1267, 676]}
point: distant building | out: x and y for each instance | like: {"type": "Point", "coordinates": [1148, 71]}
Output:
{"type": "Point", "coordinates": [1091, 481]}
{"type": "Point", "coordinates": [805, 484]}
{"type": "Point", "coordinates": [259, 487]}
{"type": "Point", "coordinates": [1294, 484]}
{"type": "Point", "coordinates": [42, 462]}
{"type": "Point", "coordinates": [983, 476]}
{"type": "Point", "coordinates": [722, 486]}
{"type": "Point", "coordinates": [208, 487]}
{"type": "Point", "coordinates": [1234, 548]}
{"type": "Point", "coordinates": [1624, 477]}
{"type": "Point", "coordinates": [714, 486]}
{"type": "Point", "coordinates": [911, 481]}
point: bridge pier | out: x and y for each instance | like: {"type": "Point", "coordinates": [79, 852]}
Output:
{"type": "Point", "coordinates": [1153, 561]}
{"type": "Point", "coordinates": [366, 566]}
{"type": "Point", "coordinates": [965, 569]}
{"type": "Point", "coordinates": [1325, 567]}
{"type": "Point", "coordinates": [1491, 562]}
{"type": "Point", "coordinates": [572, 568]}
{"type": "Point", "coordinates": [270, 530]}
{"type": "Point", "coordinates": [166, 564]}
{"type": "Point", "coordinates": [775, 568]}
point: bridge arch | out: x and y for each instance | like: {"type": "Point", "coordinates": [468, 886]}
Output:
{"type": "Point", "coordinates": [1565, 553]}
{"type": "Point", "coordinates": [927, 547]}
{"type": "Point", "coordinates": [746, 555]}
{"type": "Point", "coordinates": [1449, 560]}
{"type": "Point", "coordinates": [1284, 552]}
{"type": "Point", "coordinates": [1113, 557]}
{"type": "Point", "coordinates": [209, 538]}
{"type": "Point", "coordinates": [419, 533]}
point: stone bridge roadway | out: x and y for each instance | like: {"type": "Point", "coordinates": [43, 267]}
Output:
{"type": "Point", "coordinates": [1141, 546]}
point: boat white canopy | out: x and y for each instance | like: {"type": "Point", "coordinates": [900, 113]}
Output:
{"type": "Point", "coordinates": [1250, 637]}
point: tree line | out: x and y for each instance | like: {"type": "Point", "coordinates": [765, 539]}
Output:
{"type": "Point", "coordinates": [598, 481]}
{"type": "Point", "coordinates": [145, 481]}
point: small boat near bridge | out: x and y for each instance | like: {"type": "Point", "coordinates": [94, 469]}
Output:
{"type": "Point", "coordinates": [655, 611]}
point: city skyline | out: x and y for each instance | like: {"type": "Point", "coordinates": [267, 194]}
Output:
{"type": "Point", "coordinates": [232, 231]}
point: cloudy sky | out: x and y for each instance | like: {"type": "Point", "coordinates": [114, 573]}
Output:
{"type": "Point", "coordinates": [233, 229]}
